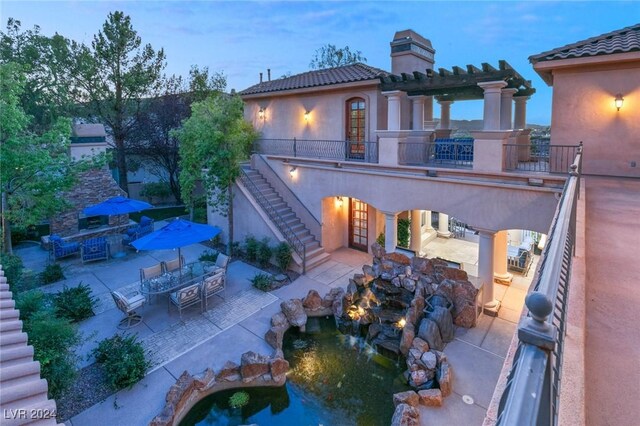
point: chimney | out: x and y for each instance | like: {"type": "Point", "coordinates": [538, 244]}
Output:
{"type": "Point", "coordinates": [260, 77]}
{"type": "Point", "coordinates": [269, 74]}
{"type": "Point", "coordinates": [411, 52]}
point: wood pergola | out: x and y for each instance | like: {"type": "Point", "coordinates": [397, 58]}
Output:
{"type": "Point", "coordinates": [457, 83]}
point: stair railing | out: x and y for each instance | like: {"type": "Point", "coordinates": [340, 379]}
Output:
{"type": "Point", "coordinates": [297, 245]}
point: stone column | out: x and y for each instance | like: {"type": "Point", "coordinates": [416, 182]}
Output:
{"type": "Point", "coordinates": [500, 273]}
{"type": "Point", "coordinates": [506, 101]}
{"type": "Point", "coordinates": [390, 231]}
{"type": "Point", "coordinates": [445, 114]}
{"type": "Point", "coordinates": [428, 224]}
{"type": "Point", "coordinates": [520, 115]}
{"type": "Point", "coordinates": [417, 112]}
{"type": "Point", "coordinates": [443, 225]}
{"type": "Point", "coordinates": [416, 232]}
{"type": "Point", "coordinates": [492, 95]}
{"type": "Point", "coordinates": [485, 271]}
{"type": "Point", "coordinates": [393, 109]}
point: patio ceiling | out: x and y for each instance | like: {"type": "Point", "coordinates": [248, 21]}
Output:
{"type": "Point", "coordinates": [457, 83]}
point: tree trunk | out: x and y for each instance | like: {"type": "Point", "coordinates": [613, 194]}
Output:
{"type": "Point", "coordinates": [6, 226]}
{"type": "Point", "coordinates": [175, 188]}
{"type": "Point", "coordinates": [230, 218]}
{"type": "Point", "coordinates": [121, 161]}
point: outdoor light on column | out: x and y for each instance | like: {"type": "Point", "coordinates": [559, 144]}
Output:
{"type": "Point", "coordinates": [307, 116]}
{"type": "Point", "coordinates": [339, 202]}
{"type": "Point", "coordinates": [619, 101]}
{"type": "Point", "coordinates": [261, 113]}
{"type": "Point", "coordinates": [293, 171]}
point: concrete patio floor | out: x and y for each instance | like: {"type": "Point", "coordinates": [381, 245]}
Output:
{"type": "Point", "coordinates": [223, 333]}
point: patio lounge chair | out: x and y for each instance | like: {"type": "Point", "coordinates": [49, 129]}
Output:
{"type": "Point", "coordinates": [128, 305]}
{"type": "Point", "coordinates": [213, 285]}
{"type": "Point", "coordinates": [95, 249]}
{"type": "Point", "coordinates": [61, 248]}
{"type": "Point", "coordinates": [174, 264]}
{"type": "Point", "coordinates": [143, 228]}
{"type": "Point", "coordinates": [188, 296]}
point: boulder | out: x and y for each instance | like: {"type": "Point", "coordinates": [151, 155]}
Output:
{"type": "Point", "coordinates": [405, 415]}
{"type": "Point", "coordinates": [422, 265]}
{"type": "Point", "coordinates": [430, 397]}
{"type": "Point", "coordinates": [408, 334]}
{"type": "Point", "coordinates": [230, 372]}
{"type": "Point", "coordinates": [443, 318]}
{"type": "Point", "coordinates": [396, 281]}
{"type": "Point", "coordinates": [374, 330]}
{"type": "Point", "coordinates": [466, 316]}
{"type": "Point", "coordinates": [419, 377]}
{"type": "Point", "coordinates": [413, 355]}
{"type": "Point", "coordinates": [337, 308]}
{"type": "Point", "coordinates": [409, 397]}
{"type": "Point", "coordinates": [253, 365]}
{"type": "Point", "coordinates": [352, 288]}
{"type": "Point", "coordinates": [377, 250]}
{"type": "Point", "coordinates": [454, 274]}
{"type": "Point", "coordinates": [359, 279]}
{"type": "Point", "coordinates": [420, 345]}
{"type": "Point", "coordinates": [294, 311]}
{"type": "Point", "coordinates": [278, 367]}
{"type": "Point", "coordinates": [279, 320]}
{"type": "Point", "coordinates": [409, 284]}
{"type": "Point", "coordinates": [398, 258]}
{"type": "Point", "coordinates": [440, 356]}
{"type": "Point", "coordinates": [407, 271]}
{"type": "Point", "coordinates": [312, 301]}
{"type": "Point", "coordinates": [445, 289]}
{"type": "Point", "coordinates": [274, 336]}
{"type": "Point", "coordinates": [430, 332]}
{"type": "Point", "coordinates": [444, 378]}
{"type": "Point", "coordinates": [429, 360]}
{"type": "Point", "coordinates": [419, 302]}
{"type": "Point", "coordinates": [369, 273]}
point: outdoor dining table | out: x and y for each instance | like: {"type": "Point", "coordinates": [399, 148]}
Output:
{"type": "Point", "coordinates": [169, 282]}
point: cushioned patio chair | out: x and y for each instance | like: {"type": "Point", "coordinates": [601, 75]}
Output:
{"type": "Point", "coordinates": [213, 285]}
{"type": "Point", "coordinates": [174, 264]}
{"type": "Point", "coordinates": [188, 296]}
{"type": "Point", "coordinates": [151, 272]}
{"type": "Point", "coordinates": [61, 248]}
{"type": "Point", "coordinates": [95, 249]}
{"type": "Point", "coordinates": [128, 305]}
{"type": "Point", "coordinates": [222, 262]}
{"type": "Point", "coordinates": [143, 228]}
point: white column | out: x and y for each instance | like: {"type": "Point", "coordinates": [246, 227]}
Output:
{"type": "Point", "coordinates": [443, 225]}
{"type": "Point", "coordinates": [485, 271]}
{"type": "Point", "coordinates": [428, 217]}
{"type": "Point", "coordinates": [500, 273]}
{"type": "Point", "coordinates": [393, 109]}
{"type": "Point", "coordinates": [492, 95]}
{"type": "Point", "coordinates": [445, 114]}
{"type": "Point", "coordinates": [416, 232]}
{"type": "Point", "coordinates": [506, 101]}
{"type": "Point", "coordinates": [428, 108]}
{"type": "Point", "coordinates": [417, 112]}
{"type": "Point", "coordinates": [520, 116]}
{"type": "Point", "coordinates": [390, 231]}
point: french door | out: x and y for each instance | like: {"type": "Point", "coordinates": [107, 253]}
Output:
{"type": "Point", "coordinates": [358, 224]}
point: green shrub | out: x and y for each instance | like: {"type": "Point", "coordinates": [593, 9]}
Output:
{"type": "Point", "coordinates": [123, 359]}
{"type": "Point", "coordinates": [263, 255]}
{"type": "Point", "coordinates": [51, 274]}
{"type": "Point", "coordinates": [380, 239]}
{"type": "Point", "coordinates": [74, 303]}
{"type": "Point", "coordinates": [283, 255]}
{"type": "Point", "coordinates": [155, 189]}
{"type": "Point", "coordinates": [403, 232]}
{"type": "Point", "coordinates": [54, 341]}
{"type": "Point", "coordinates": [200, 214]}
{"type": "Point", "coordinates": [262, 281]}
{"type": "Point", "coordinates": [208, 256]}
{"type": "Point", "coordinates": [12, 266]}
{"type": "Point", "coordinates": [235, 248]}
{"type": "Point", "coordinates": [29, 303]}
{"type": "Point", "coordinates": [239, 399]}
{"type": "Point", "coordinates": [251, 248]}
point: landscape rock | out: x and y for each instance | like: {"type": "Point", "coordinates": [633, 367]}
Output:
{"type": "Point", "coordinates": [466, 316]}
{"type": "Point", "coordinates": [312, 301]}
{"type": "Point", "coordinates": [419, 377]}
{"type": "Point", "coordinates": [253, 365]}
{"type": "Point", "coordinates": [278, 367]}
{"type": "Point", "coordinates": [430, 397]}
{"type": "Point", "coordinates": [377, 250]}
{"type": "Point", "coordinates": [369, 273]}
{"type": "Point", "coordinates": [430, 332]}
{"type": "Point", "coordinates": [409, 284]}
{"type": "Point", "coordinates": [396, 281]}
{"type": "Point", "coordinates": [408, 334]}
{"type": "Point", "coordinates": [422, 265]}
{"type": "Point", "coordinates": [444, 378]}
{"type": "Point", "coordinates": [398, 258]}
{"type": "Point", "coordinates": [445, 289]}
{"type": "Point", "coordinates": [443, 318]}
{"type": "Point", "coordinates": [405, 415]}
{"type": "Point", "coordinates": [429, 360]}
{"type": "Point", "coordinates": [409, 397]}
{"type": "Point", "coordinates": [294, 311]}
{"type": "Point", "coordinates": [454, 274]}
{"type": "Point", "coordinates": [420, 345]}
{"type": "Point", "coordinates": [440, 356]}
{"type": "Point", "coordinates": [230, 372]}
{"type": "Point", "coordinates": [274, 336]}
{"type": "Point", "coordinates": [279, 320]}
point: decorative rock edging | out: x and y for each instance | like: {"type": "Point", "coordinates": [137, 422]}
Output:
{"type": "Point", "coordinates": [254, 370]}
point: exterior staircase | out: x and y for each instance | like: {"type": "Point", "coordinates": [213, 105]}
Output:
{"type": "Point", "coordinates": [303, 243]}
{"type": "Point", "coordinates": [23, 398]}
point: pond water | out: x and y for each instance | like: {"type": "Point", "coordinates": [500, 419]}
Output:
{"type": "Point", "coordinates": [335, 380]}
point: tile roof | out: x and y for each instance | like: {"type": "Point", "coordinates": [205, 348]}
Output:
{"type": "Point", "coordinates": [619, 41]}
{"type": "Point", "coordinates": [345, 74]}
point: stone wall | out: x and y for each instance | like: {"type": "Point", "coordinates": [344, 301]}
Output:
{"type": "Point", "coordinates": [92, 187]}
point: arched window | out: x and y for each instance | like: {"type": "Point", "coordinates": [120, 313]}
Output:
{"type": "Point", "coordinates": [355, 132]}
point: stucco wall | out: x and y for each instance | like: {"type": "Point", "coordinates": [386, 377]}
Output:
{"type": "Point", "coordinates": [284, 114]}
{"type": "Point", "coordinates": [584, 110]}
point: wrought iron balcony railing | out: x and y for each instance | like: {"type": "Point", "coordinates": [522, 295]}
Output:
{"type": "Point", "coordinates": [365, 152]}
{"type": "Point", "coordinates": [440, 153]}
{"type": "Point", "coordinates": [539, 157]}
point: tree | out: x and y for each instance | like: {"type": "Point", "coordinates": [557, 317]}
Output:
{"type": "Point", "coordinates": [114, 77]}
{"type": "Point", "coordinates": [213, 142]}
{"type": "Point", "coordinates": [329, 56]}
{"type": "Point", "coordinates": [34, 167]}
{"type": "Point", "coordinates": [151, 137]}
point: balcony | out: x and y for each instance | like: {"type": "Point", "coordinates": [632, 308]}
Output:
{"type": "Point", "coordinates": [358, 151]}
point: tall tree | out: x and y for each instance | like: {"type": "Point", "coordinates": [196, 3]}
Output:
{"type": "Point", "coordinates": [115, 76]}
{"type": "Point", "coordinates": [329, 56]}
{"type": "Point", "coordinates": [152, 138]}
{"type": "Point", "coordinates": [213, 142]}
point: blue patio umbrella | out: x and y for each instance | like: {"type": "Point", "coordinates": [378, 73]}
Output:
{"type": "Point", "coordinates": [116, 205]}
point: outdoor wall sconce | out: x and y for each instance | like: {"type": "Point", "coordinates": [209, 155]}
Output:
{"type": "Point", "coordinates": [307, 115]}
{"type": "Point", "coordinates": [261, 114]}
{"type": "Point", "coordinates": [339, 201]}
{"type": "Point", "coordinates": [293, 171]}
{"type": "Point", "coordinates": [619, 101]}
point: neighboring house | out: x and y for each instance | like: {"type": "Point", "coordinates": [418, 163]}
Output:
{"type": "Point", "coordinates": [587, 78]}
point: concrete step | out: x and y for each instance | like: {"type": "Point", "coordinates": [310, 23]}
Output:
{"type": "Point", "coordinates": [28, 393]}
{"type": "Point", "coordinates": [7, 326]}
{"type": "Point", "coordinates": [12, 338]}
{"type": "Point", "coordinates": [13, 356]}
{"type": "Point", "coordinates": [20, 373]}
{"type": "Point", "coordinates": [7, 304]}
{"type": "Point", "coordinates": [317, 260]}
{"type": "Point", "coordinates": [38, 409]}
{"type": "Point", "coordinates": [4, 286]}
{"type": "Point", "coordinates": [9, 314]}
{"type": "Point", "coordinates": [312, 245]}
{"type": "Point", "coordinates": [6, 294]}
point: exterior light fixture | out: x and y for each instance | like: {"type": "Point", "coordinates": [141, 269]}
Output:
{"type": "Point", "coordinates": [293, 171]}
{"type": "Point", "coordinates": [261, 114]}
{"type": "Point", "coordinates": [402, 323]}
{"type": "Point", "coordinates": [619, 101]}
{"type": "Point", "coordinates": [307, 114]}
{"type": "Point", "coordinates": [339, 201]}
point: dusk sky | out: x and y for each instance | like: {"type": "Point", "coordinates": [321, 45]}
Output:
{"type": "Point", "coordinates": [243, 39]}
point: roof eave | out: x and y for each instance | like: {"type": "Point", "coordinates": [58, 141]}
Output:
{"type": "Point", "coordinates": [327, 87]}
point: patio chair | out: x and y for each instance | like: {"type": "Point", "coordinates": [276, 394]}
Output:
{"type": "Point", "coordinates": [95, 249]}
{"type": "Point", "coordinates": [151, 272]}
{"type": "Point", "coordinates": [188, 296]}
{"type": "Point", "coordinates": [211, 285]}
{"type": "Point", "coordinates": [128, 305]}
{"type": "Point", "coordinates": [174, 264]}
{"type": "Point", "coordinates": [61, 248]}
{"type": "Point", "coordinates": [143, 228]}
{"type": "Point", "coordinates": [222, 261]}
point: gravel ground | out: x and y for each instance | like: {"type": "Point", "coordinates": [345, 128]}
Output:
{"type": "Point", "coordinates": [89, 388]}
